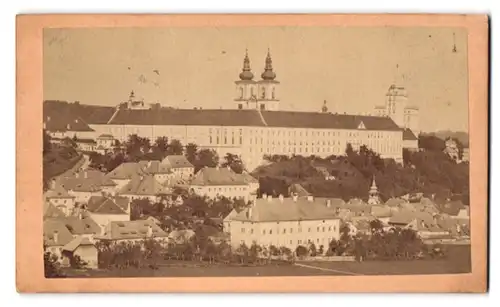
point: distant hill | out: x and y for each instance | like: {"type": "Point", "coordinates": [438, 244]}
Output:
{"type": "Point", "coordinates": [462, 136]}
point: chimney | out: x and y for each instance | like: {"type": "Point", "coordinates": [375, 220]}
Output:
{"type": "Point", "coordinates": [217, 167]}
{"type": "Point", "coordinates": [281, 198]}
{"type": "Point", "coordinates": [295, 197]}
{"type": "Point", "coordinates": [229, 168]}
{"type": "Point", "coordinates": [150, 231]}
{"type": "Point", "coordinates": [52, 184]}
{"type": "Point", "coordinates": [264, 196]}
{"type": "Point", "coordinates": [77, 175]}
{"type": "Point", "coordinates": [149, 164]}
{"type": "Point", "coordinates": [249, 213]}
{"type": "Point", "coordinates": [56, 236]}
{"type": "Point", "coordinates": [44, 126]}
{"type": "Point", "coordinates": [85, 175]}
{"type": "Point", "coordinates": [68, 127]}
{"type": "Point", "coordinates": [310, 198]}
{"type": "Point", "coordinates": [328, 203]}
{"type": "Point", "coordinates": [269, 198]}
{"type": "Point", "coordinates": [48, 118]}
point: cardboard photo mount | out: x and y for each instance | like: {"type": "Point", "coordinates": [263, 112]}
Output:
{"type": "Point", "coordinates": [29, 261]}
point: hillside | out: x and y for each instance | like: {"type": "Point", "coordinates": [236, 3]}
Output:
{"type": "Point", "coordinates": [429, 172]}
{"type": "Point", "coordinates": [461, 136]}
{"type": "Point", "coordinates": [57, 160]}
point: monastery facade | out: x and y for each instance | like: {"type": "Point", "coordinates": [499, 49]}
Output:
{"type": "Point", "coordinates": [256, 126]}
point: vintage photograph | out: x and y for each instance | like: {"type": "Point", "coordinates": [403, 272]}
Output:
{"type": "Point", "coordinates": [255, 151]}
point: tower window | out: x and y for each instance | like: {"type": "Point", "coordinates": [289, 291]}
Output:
{"type": "Point", "coordinates": [262, 106]}
{"type": "Point", "coordinates": [263, 94]}
{"type": "Point", "coordinates": [241, 92]}
{"type": "Point", "coordinates": [273, 93]}
{"type": "Point", "coordinates": [240, 106]}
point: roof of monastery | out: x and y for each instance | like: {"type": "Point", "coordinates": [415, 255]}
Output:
{"type": "Point", "coordinates": [107, 205]}
{"type": "Point", "coordinates": [131, 230]}
{"type": "Point", "coordinates": [408, 135]}
{"type": "Point", "coordinates": [275, 210]}
{"type": "Point", "coordinates": [227, 117]}
{"type": "Point", "coordinates": [218, 176]}
{"type": "Point", "coordinates": [91, 114]}
{"type": "Point", "coordinates": [66, 122]}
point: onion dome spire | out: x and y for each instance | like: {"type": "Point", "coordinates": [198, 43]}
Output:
{"type": "Point", "coordinates": [373, 188]}
{"type": "Point", "coordinates": [268, 73]}
{"type": "Point", "coordinates": [246, 73]}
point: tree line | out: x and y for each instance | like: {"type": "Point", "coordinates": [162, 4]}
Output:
{"type": "Point", "coordinates": [138, 148]}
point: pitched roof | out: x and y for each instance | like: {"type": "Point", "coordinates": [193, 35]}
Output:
{"type": "Point", "coordinates": [188, 117]}
{"type": "Point", "coordinates": [176, 161]}
{"type": "Point", "coordinates": [249, 178]}
{"type": "Point", "coordinates": [288, 210]}
{"type": "Point", "coordinates": [50, 211]}
{"type": "Point", "coordinates": [452, 207]}
{"type": "Point", "coordinates": [154, 167]}
{"type": "Point", "coordinates": [80, 226]}
{"type": "Point", "coordinates": [106, 205]}
{"type": "Point", "coordinates": [125, 171]}
{"type": "Point", "coordinates": [394, 202]}
{"type": "Point", "coordinates": [80, 184]}
{"type": "Point", "coordinates": [251, 118]}
{"type": "Point", "coordinates": [408, 135]}
{"type": "Point", "coordinates": [65, 122]}
{"type": "Point", "coordinates": [91, 114]}
{"type": "Point", "coordinates": [57, 192]}
{"type": "Point", "coordinates": [143, 185]}
{"type": "Point", "coordinates": [106, 137]}
{"type": "Point", "coordinates": [381, 211]}
{"type": "Point", "coordinates": [52, 226]}
{"type": "Point", "coordinates": [76, 242]}
{"type": "Point", "coordinates": [327, 121]}
{"type": "Point", "coordinates": [131, 230]}
{"type": "Point", "coordinates": [211, 176]}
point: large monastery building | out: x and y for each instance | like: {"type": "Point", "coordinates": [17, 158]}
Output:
{"type": "Point", "coordinates": [256, 126]}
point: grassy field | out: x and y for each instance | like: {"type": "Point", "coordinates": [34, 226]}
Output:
{"type": "Point", "coordinates": [457, 262]}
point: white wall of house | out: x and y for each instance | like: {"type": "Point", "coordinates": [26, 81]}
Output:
{"type": "Point", "coordinates": [285, 233]}
{"type": "Point", "coordinates": [238, 191]}
{"type": "Point", "coordinates": [83, 197]}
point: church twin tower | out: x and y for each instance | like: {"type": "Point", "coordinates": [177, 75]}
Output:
{"type": "Point", "coordinates": [262, 94]}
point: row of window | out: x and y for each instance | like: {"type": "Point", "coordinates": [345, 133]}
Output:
{"type": "Point", "coordinates": [305, 242]}
{"type": "Point", "coordinates": [228, 189]}
{"type": "Point", "coordinates": [290, 230]}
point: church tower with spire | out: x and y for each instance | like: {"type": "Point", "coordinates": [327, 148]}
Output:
{"type": "Point", "coordinates": [373, 196]}
{"type": "Point", "coordinates": [246, 87]}
{"type": "Point", "coordinates": [268, 87]}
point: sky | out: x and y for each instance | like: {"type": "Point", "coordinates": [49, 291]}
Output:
{"type": "Point", "coordinates": [349, 67]}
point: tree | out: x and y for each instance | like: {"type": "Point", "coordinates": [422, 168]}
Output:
{"type": "Point", "coordinates": [321, 250]}
{"type": "Point", "coordinates": [46, 142]}
{"type": "Point", "coordinates": [301, 251]}
{"type": "Point", "coordinates": [312, 250]}
{"type": "Point", "coordinates": [191, 151]}
{"type": "Point", "coordinates": [52, 268]}
{"type": "Point", "coordinates": [234, 162]}
{"type": "Point", "coordinates": [175, 147]}
{"type": "Point", "coordinates": [206, 157]}
{"type": "Point", "coordinates": [430, 142]}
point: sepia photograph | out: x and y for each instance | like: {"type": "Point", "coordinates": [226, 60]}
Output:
{"type": "Point", "coordinates": [255, 151]}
